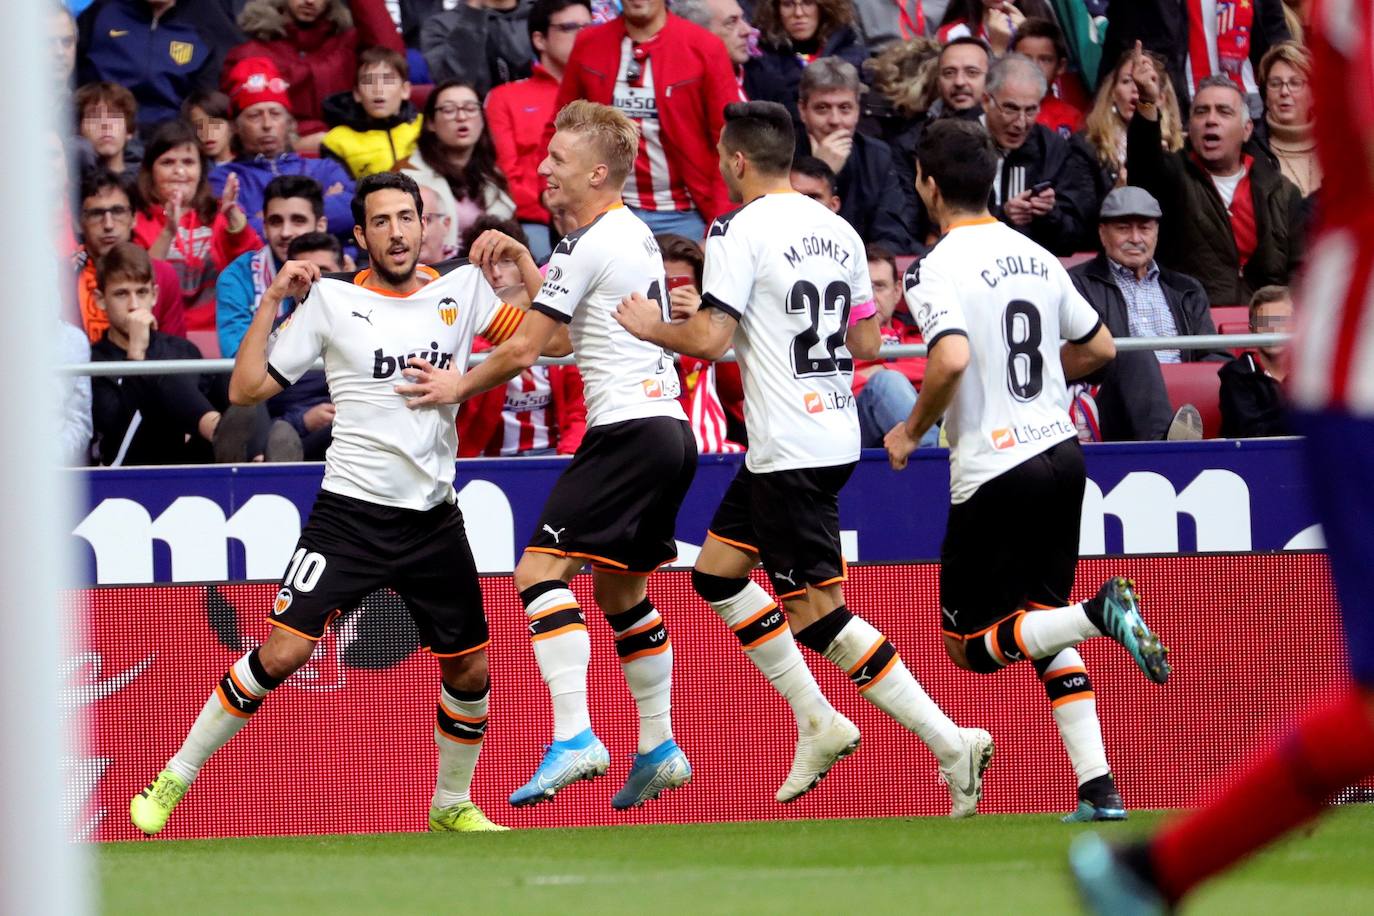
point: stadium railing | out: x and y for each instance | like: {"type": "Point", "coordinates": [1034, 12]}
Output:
{"type": "Point", "coordinates": [897, 351]}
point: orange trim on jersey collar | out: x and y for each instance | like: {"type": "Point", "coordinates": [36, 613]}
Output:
{"type": "Point", "coordinates": [618, 205]}
{"type": "Point", "coordinates": [362, 276]}
{"type": "Point", "coordinates": [977, 221]}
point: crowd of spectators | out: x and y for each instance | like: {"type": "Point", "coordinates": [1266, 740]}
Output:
{"type": "Point", "coordinates": [1163, 146]}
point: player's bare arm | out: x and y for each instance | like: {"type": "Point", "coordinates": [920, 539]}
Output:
{"type": "Point", "coordinates": [1086, 358]}
{"type": "Point", "coordinates": [945, 367]}
{"type": "Point", "coordinates": [706, 335]}
{"type": "Point", "coordinates": [864, 340]}
{"type": "Point", "coordinates": [251, 383]}
{"type": "Point", "coordinates": [492, 246]}
{"type": "Point", "coordinates": [431, 387]}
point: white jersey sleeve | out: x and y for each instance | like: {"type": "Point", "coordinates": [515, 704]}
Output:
{"type": "Point", "coordinates": [567, 280]}
{"type": "Point", "coordinates": [1078, 321]}
{"type": "Point", "coordinates": [728, 279]}
{"type": "Point", "coordinates": [933, 300]}
{"type": "Point", "coordinates": [300, 339]}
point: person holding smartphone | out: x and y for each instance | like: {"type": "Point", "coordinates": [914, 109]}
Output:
{"type": "Point", "coordinates": [1044, 185]}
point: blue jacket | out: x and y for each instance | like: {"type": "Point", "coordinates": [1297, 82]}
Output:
{"type": "Point", "coordinates": [256, 171]}
{"type": "Point", "coordinates": [235, 304]}
{"type": "Point", "coordinates": [160, 63]}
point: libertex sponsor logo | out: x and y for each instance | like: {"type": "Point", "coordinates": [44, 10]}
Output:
{"type": "Point", "coordinates": [1027, 433]}
{"type": "Point", "coordinates": [818, 402]}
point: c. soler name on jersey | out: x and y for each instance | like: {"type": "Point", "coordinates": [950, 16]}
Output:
{"type": "Point", "coordinates": [815, 246]}
{"type": "Point", "coordinates": [1016, 266]}
{"type": "Point", "coordinates": [384, 366]}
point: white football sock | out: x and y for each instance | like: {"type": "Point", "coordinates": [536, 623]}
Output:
{"type": "Point", "coordinates": [1044, 634]}
{"type": "Point", "coordinates": [563, 651]}
{"type": "Point", "coordinates": [459, 732]}
{"type": "Point", "coordinates": [646, 660]}
{"type": "Point", "coordinates": [877, 670]}
{"type": "Point", "coordinates": [761, 627]}
{"type": "Point", "coordinates": [1076, 715]}
{"type": "Point", "coordinates": [234, 700]}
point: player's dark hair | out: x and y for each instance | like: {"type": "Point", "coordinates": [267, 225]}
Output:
{"type": "Point", "coordinates": [880, 255]}
{"type": "Point", "coordinates": [959, 157]}
{"type": "Point", "coordinates": [486, 221]}
{"type": "Point", "coordinates": [675, 247]}
{"type": "Point", "coordinates": [99, 180]}
{"type": "Point", "coordinates": [543, 11]}
{"type": "Point", "coordinates": [384, 181]}
{"type": "Point", "coordinates": [812, 167]}
{"type": "Point", "coordinates": [763, 132]}
{"type": "Point", "coordinates": [1042, 28]}
{"type": "Point", "coordinates": [314, 241]}
{"type": "Point", "coordinates": [125, 261]}
{"type": "Point", "coordinates": [302, 186]}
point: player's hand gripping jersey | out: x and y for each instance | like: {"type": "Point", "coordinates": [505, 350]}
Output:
{"type": "Point", "coordinates": [382, 452]}
{"type": "Point", "coordinates": [789, 271]}
{"type": "Point", "coordinates": [591, 270]}
{"type": "Point", "coordinates": [1014, 302]}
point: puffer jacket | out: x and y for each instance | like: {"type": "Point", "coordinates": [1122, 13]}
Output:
{"type": "Point", "coordinates": [364, 144]}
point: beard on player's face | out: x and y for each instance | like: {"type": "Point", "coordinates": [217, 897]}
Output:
{"type": "Point", "coordinates": [384, 254]}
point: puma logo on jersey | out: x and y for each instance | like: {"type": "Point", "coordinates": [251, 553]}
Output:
{"type": "Point", "coordinates": [555, 534]}
{"type": "Point", "coordinates": [367, 317]}
{"type": "Point", "coordinates": [384, 366]}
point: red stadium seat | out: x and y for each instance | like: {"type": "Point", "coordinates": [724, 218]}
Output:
{"type": "Point", "coordinates": [1196, 384]}
{"type": "Point", "coordinates": [1229, 314]}
{"type": "Point", "coordinates": [207, 342]}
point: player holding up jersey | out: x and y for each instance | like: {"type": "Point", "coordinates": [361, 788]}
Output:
{"type": "Point", "coordinates": [787, 280]}
{"type": "Point", "coordinates": [616, 505]}
{"type": "Point", "coordinates": [1291, 782]}
{"type": "Point", "coordinates": [386, 514]}
{"type": "Point", "coordinates": [994, 307]}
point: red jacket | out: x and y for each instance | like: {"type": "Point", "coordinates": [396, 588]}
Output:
{"type": "Point", "coordinates": [516, 116]}
{"type": "Point", "coordinates": [1059, 116]}
{"type": "Point", "coordinates": [693, 82]}
{"type": "Point", "coordinates": [913, 367]}
{"type": "Point", "coordinates": [318, 61]}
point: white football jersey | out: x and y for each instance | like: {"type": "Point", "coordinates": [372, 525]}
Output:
{"type": "Point", "coordinates": [592, 269]}
{"type": "Point", "coordinates": [789, 271]}
{"type": "Point", "coordinates": [382, 451]}
{"type": "Point", "coordinates": [1014, 302]}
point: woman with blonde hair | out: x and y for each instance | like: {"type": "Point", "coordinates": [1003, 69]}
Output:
{"type": "Point", "coordinates": [792, 34]}
{"type": "Point", "coordinates": [904, 85]}
{"type": "Point", "coordinates": [1105, 130]}
{"type": "Point", "coordinates": [1285, 74]}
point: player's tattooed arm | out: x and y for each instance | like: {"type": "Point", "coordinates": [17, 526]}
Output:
{"type": "Point", "coordinates": [706, 335]}
{"type": "Point", "coordinates": [251, 383]}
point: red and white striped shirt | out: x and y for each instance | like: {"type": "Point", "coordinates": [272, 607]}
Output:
{"type": "Point", "coordinates": [1334, 351]}
{"type": "Point", "coordinates": [652, 185]}
{"type": "Point", "coordinates": [527, 420]}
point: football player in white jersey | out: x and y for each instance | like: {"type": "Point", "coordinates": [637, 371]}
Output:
{"type": "Point", "coordinates": [387, 513]}
{"type": "Point", "coordinates": [616, 505]}
{"type": "Point", "coordinates": [1005, 326]}
{"type": "Point", "coordinates": [787, 281]}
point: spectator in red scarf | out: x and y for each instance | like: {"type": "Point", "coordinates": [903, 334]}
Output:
{"type": "Point", "coordinates": [1230, 219]}
{"type": "Point", "coordinates": [181, 222]}
{"type": "Point", "coordinates": [315, 45]}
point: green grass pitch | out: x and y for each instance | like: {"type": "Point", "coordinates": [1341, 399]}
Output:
{"type": "Point", "coordinates": [997, 864]}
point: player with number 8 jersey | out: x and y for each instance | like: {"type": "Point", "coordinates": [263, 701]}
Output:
{"type": "Point", "coordinates": [1005, 327]}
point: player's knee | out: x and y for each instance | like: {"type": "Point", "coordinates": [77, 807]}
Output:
{"type": "Point", "coordinates": [615, 594]}
{"type": "Point", "coordinates": [468, 673]}
{"type": "Point", "coordinates": [283, 653]}
{"type": "Point", "coordinates": [528, 574]}
{"type": "Point", "coordinates": [715, 589]}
